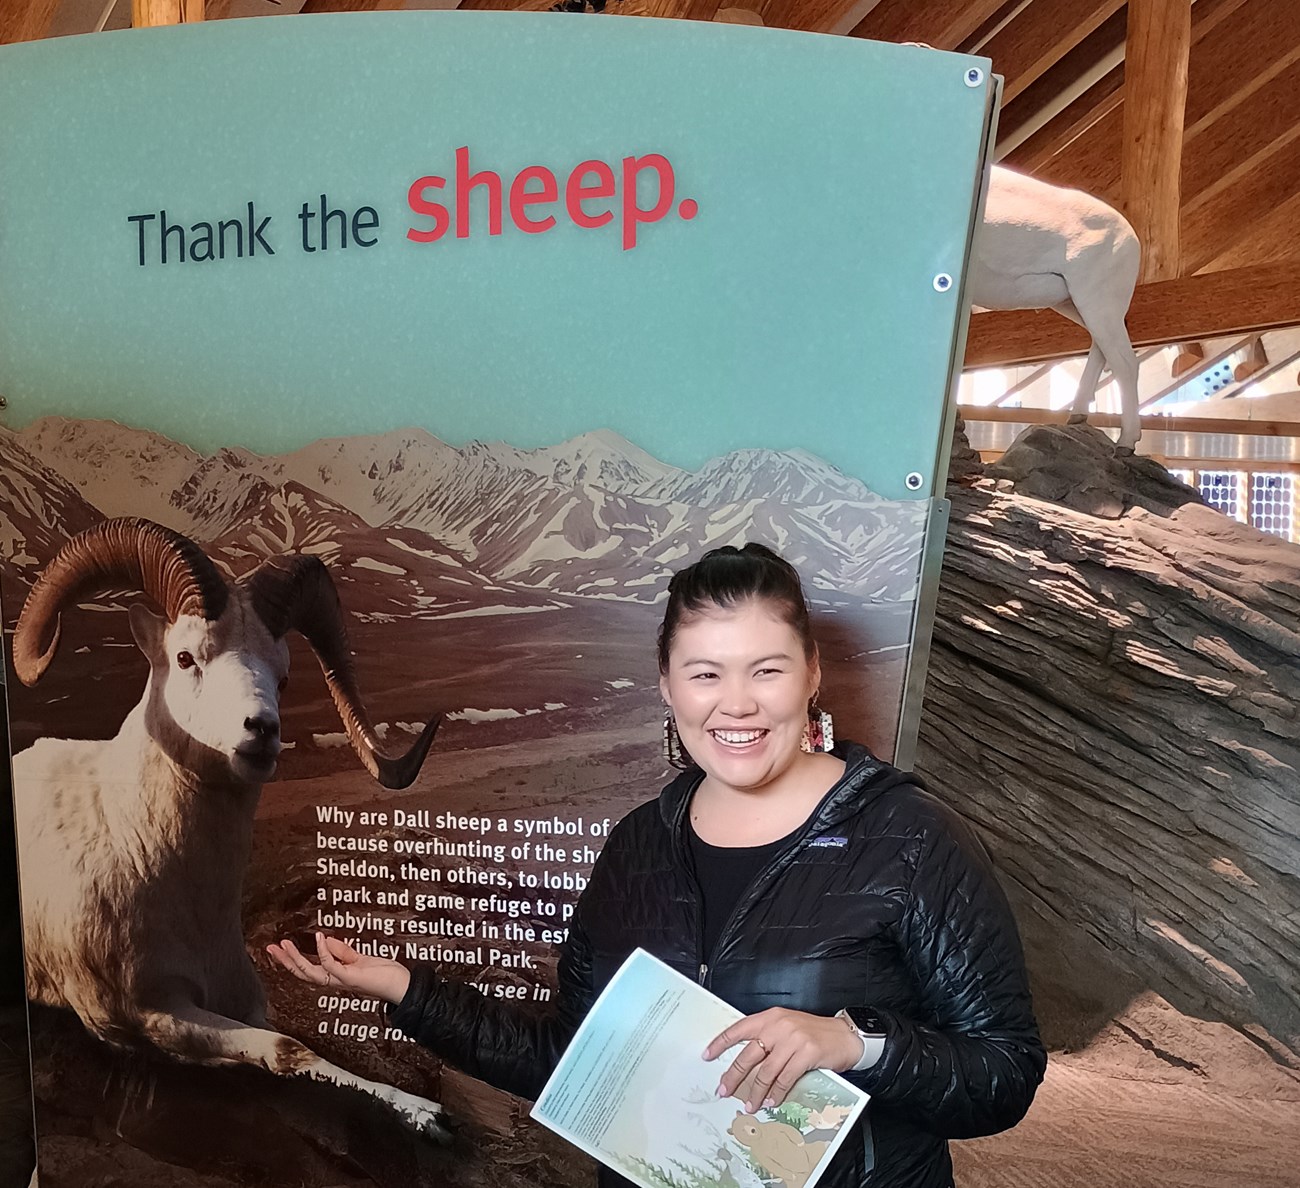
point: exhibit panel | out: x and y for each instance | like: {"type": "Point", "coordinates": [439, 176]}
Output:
{"type": "Point", "coordinates": [427, 376]}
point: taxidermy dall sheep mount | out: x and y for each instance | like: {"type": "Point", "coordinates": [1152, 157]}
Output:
{"type": "Point", "coordinates": [1046, 247]}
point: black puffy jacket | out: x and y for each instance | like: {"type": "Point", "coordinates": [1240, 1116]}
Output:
{"type": "Point", "coordinates": [885, 901]}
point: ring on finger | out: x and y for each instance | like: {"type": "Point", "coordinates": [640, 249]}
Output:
{"type": "Point", "coordinates": [766, 1050]}
{"type": "Point", "coordinates": [329, 977]}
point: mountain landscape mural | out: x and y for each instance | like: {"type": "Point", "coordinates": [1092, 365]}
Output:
{"type": "Point", "coordinates": [515, 593]}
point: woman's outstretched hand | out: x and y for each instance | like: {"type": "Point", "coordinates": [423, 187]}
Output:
{"type": "Point", "coordinates": [783, 1045]}
{"type": "Point", "coordinates": [342, 966]}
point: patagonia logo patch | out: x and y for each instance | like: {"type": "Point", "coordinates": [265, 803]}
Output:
{"type": "Point", "coordinates": [837, 842]}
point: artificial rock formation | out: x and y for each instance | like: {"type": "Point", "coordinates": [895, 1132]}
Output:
{"type": "Point", "coordinates": [1112, 699]}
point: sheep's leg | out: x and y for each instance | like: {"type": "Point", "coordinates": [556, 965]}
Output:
{"type": "Point", "coordinates": [1087, 385]}
{"type": "Point", "coordinates": [1086, 392]}
{"type": "Point", "coordinates": [1110, 335]}
{"type": "Point", "coordinates": [198, 1036]}
{"type": "Point", "coordinates": [1100, 299]}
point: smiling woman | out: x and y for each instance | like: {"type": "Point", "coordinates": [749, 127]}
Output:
{"type": "Point", "coordinates": [738, 672]}
{"type": "Point", "coordinates": [849, 913]}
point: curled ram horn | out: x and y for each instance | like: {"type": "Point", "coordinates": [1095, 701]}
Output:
{"type": "Point", "coordinates": [170, 568]}
{"type": "Point", "coordinates": [298, 593]}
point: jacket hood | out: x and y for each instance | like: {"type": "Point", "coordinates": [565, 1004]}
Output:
{"type": "Point", "coordinates": [865, 777]}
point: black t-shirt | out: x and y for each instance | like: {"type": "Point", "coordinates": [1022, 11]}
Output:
{"type": "Point", "coordinates": [724, 874]}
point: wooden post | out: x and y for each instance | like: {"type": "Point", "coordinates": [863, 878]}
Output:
{"type": "Point", "coordinates": [1155, 95]}
{"type": "Point", "coordinates": [146, 14]}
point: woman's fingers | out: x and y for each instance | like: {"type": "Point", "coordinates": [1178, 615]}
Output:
{"type": "Point", "coordinates": [743, 1069]}
{"type": "Point", "coordinates": [287, 954]}
{"type": "Point", "coordinates": [762, 1081]}
{"type": "Point", "coordinates": [335, 957]}
{"type": "Point", "coordinates": [773, 1079]}
{"type": "Point", "coordinates": [328, 962]}
{"type": "Point", "coordinates": [782, 1046]}
{"type": "Point", "coordinates": [742, 1029]}
{"type": "Point", "coordinates": [341, 950]}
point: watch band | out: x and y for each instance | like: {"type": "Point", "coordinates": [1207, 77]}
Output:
{"type": "Point", "coordinates": [872, 1037]}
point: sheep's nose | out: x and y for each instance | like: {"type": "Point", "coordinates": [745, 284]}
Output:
{"type": "Point", "coordinates": [263, 726]}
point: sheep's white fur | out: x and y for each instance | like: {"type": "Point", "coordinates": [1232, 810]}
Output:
{"type": "Point", "coordinates": [134, 849]}
{"type": "Point", "coordinates": [1046, 247]}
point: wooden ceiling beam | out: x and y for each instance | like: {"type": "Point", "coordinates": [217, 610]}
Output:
{"type": "Point", "coordinates": [1248, 130]}
{"type": "Point", "coordinates": [944, 24]}
{"type": "Point", "coordinates": [1070, 96]}
{"type": "Point", "coordinates": [816, 16]}
{"type": "Point", "coordinates": [149, 14]}
{"type": "Point", "coordinates": [507, 5]}
{"type": "Point", "coordinates": [1028, 46]}
{"type": "Point", "coordinates": [703, 10]}
{"type": "Point", "coordinates": [1254, 189]}
{"type": "Point", "coordinates": [1101, 99]}
{"type": "Point", "coordinates": [26, 20]}
{"type": "Point", "coordinates": [1266, 240]}
{"type": "Point", "coordinates": [1232, 42]}
{"type": "Point", "coordinates": [1155, 86]}
{"type": "Point", "coordinates": [351, 6]}
{"type": "Point", "coordinates": [1243, 53]}
{"type": "Point", "coordinates": [1208, 306]}
{"type": "Point", "coordinates": [1037, 152]}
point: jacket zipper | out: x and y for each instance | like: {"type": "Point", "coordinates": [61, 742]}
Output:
{"type": "Point", "coordinates": [779, 863]}
{"type": "Point", "coordinates": [776, 865]}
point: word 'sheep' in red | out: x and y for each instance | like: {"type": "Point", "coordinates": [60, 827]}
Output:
{"type": "Point", "coordinates": [590, 192]}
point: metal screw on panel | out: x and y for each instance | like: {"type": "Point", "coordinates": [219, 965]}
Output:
{"type": "Point", "coordinates": [974, 76]}
{"type": "Point", "coordinates": [3, 402]}
{"type": "Point", "coordinates": [913, 481]}
{"type": "Point", "coordinates": [942, 283]}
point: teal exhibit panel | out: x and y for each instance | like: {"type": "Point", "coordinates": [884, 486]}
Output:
{"type": "Point", "coordinates": [378, 371]}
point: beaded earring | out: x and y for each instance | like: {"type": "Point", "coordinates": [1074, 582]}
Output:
{"type": "Point", "coordinates": [675, 755]}
{"type": "Point", "coordinates": [819, 733]}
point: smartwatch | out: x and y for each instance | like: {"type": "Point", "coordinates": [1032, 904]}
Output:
{"type": "Point", "coordinates": [872, 1035]}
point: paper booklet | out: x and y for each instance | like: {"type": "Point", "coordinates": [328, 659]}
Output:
{"type": "Point", "coordinates": [634, 1091]}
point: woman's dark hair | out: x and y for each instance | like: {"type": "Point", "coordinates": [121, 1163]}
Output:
{"type": "Point", "coordinates": [728, 576]}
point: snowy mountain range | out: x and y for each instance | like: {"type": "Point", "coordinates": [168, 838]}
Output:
{"type": "Point", "coordinates": [591, 517]}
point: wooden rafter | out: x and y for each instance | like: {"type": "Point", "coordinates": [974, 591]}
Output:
{"type": "Point", "coordinates": [25, 20]}
{"type": "Point", "coordinates": [815, 16]}
{"type": "Point", "coordinates": [508, 5]}
{"type": "Point", "coordinates": [1205, 306]}
{"type": "Point", "coordinates": [1268, 239]}
{"type": "Point", "coordinates": [1027, 47]}
{"type": "Point", "coordinates": [1069, 96]}
{"type": "Point", "coordinates": [351, 6]}
{"type": "Point", "coordinates": [944, 24]}
{"type": "Point", "coordinates": [1249, 129]}
{"type": "Point", "coordinates": [1258, 187]}
{"type": "Point", "coordinates": [1233, 41]}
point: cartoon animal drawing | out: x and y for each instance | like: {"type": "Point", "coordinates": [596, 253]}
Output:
{"type": "Point", "coordinates": [824, 1124]}
{"type": "Point", "coordinates": [736, 1172]}
{"type": "Point", "coordinates": [778, 1147]}
{"type": "Point", "coordinates": [831, 1117]}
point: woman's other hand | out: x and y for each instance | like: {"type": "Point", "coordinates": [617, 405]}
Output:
{"type": "Point", "coordinates": [342, 966]}
{"type": "Point", "coordinates": [782, 1046]}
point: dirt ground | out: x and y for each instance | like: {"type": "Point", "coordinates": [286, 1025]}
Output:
{"type": "Point", "coordinates": [1090, 1129]}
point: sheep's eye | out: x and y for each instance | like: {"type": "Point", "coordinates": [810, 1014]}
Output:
{"type": "Point", "coordinates": [184, 660]}
{"type": "Point", "coordinates": [283, 682]}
